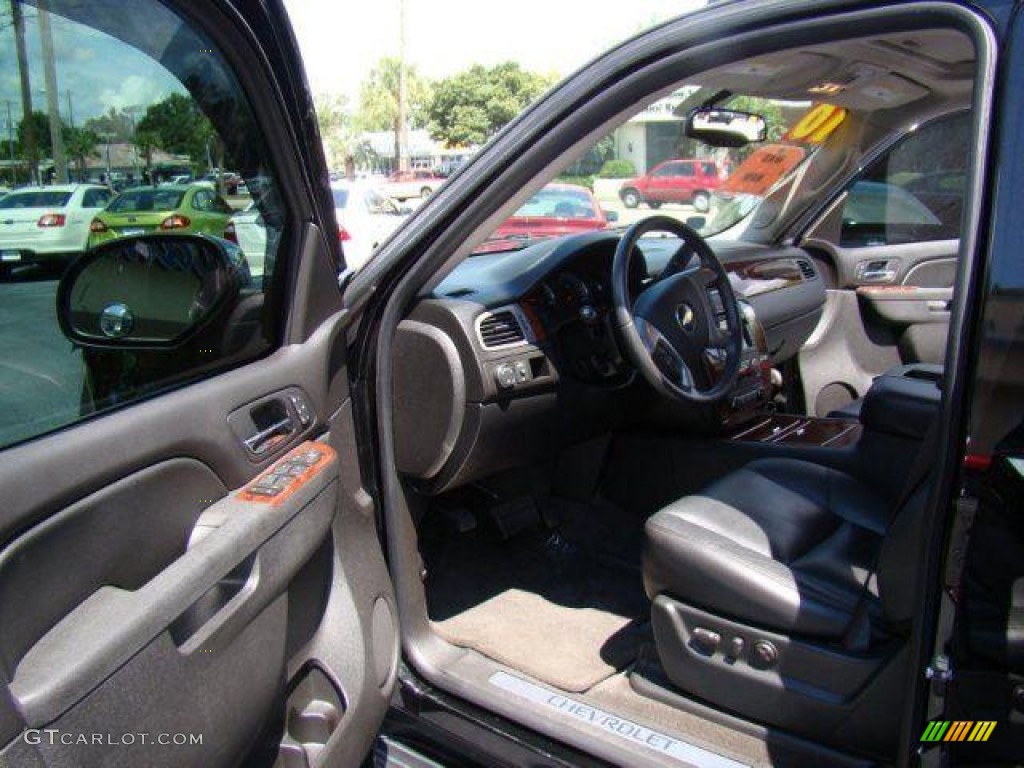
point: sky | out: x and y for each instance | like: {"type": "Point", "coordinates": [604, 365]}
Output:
{"type": "Point", "coordinates": [342, 39]}
{"type": "Point", "coordinates": [99, 71]}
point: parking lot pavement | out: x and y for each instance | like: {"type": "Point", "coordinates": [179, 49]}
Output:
{"type": "Point", "coordinates": [41, 374]}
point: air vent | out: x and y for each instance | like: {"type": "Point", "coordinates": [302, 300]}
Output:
{"type": "Point", "coordinates": [500, 329]}
{"type": "Point", "coordinates": [806, 269]}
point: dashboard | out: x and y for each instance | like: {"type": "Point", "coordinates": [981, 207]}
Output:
{"type": "Point", "coordinates": [515, 354]}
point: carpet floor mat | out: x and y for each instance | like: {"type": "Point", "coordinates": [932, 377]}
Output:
{"type": "Point", "coordinates": [540, 606]}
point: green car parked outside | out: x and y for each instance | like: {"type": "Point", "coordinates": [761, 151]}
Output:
{"type": "Point", "coordinates": [185, 209]}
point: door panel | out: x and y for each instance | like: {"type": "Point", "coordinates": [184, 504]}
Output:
{"type": "Point", "coordinates": [121, 597]}
{"type": "Point", "coordinates": [889, 305]}
{"type": "Point", "coordinates": [163, 602]}
{"type": "Point", "coordinates": [890, 243]}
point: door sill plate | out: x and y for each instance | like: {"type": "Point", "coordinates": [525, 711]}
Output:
{"type": "Point", "coordinates": [620, 728]}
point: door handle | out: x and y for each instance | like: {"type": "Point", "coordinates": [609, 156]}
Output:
{"type": "Point", "coordinates": [267, 438]}
{"type": "Point", "coordinates": [878, 270]}
{"type": "Point", "coordinates": [878, 275]}
{"type": "Point", "coordinates": [272, 421]}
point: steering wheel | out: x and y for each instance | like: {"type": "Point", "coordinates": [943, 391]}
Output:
{"type": "Point", "coordinates": [671, 332]}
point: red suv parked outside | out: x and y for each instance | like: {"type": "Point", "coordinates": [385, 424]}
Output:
{"type": "Point", "coordinates": [674, 181]}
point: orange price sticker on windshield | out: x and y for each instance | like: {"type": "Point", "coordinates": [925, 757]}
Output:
{"type": "Point", "coordinates": [817, 125]}
{"type": "Point", "coordinates": [759, 172]}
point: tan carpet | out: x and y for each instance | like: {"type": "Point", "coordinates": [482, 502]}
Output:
{"type": "Point", "coordinates": [572, 648]}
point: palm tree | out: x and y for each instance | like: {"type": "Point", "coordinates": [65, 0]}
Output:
{"type": "Point", "coordinates": [81, 143]}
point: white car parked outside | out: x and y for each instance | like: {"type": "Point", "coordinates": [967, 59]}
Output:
{"type": "Point", "coordinates": [47, 225]}
{"type": "Point", "coordinates": [365, 219]}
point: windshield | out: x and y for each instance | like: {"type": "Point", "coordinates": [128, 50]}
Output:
{"type": "Point", "coordinates": [649, 163]}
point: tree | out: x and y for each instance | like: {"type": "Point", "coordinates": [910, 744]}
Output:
{"type": "Point", "coordinates": [768, 109]}
{"type": "Point", "coordinates": [147, 141]}
{"type": "Point", "coordinates": [81, 144]}
{"type": "Point", "coordinates": [115, 125]}
{"type": "Point", "coordinates": [40, 130]}
{"type": "Point", "coordinates": [176, 125]}
{"type": "Point", "coordinates": [471, 106]}
{"type": "Point", "coordinates": [335, 126]}
{"type": "Point", "coordinates": [378, 99]}
{"type": "Point", "coordinates": [774, 121]}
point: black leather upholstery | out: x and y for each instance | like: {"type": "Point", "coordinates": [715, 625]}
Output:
{"type": "Point", "coordinates": [901, 405]}
{"type": "Point", "coordinates": [902, 401]}
{"type": "Point", "coordinates": [781, 544]}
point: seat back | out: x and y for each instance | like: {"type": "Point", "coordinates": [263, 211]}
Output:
{"type": "Point", "coordinates": [899, 568]}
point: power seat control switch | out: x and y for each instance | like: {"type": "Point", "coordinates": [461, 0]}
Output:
{"type": "Point", "coordinates": [704, 641]}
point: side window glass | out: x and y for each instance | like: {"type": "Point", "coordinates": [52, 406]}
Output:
{"type": "Point", "coordinates": [147, 104]}
{"type": "Point", "coordinates": [202, 200]}
{"type": "Point", "coordinates": [95, 198]}
{"type": "Point", "coordinates": [222, 206]}
{"type": "Point", "coordinates": [913, 193]}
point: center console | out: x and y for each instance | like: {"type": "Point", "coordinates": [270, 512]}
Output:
{"type": "Point", "coordinates": [753, 388]}
{"type": "Point", "coordinates": [788, 429]}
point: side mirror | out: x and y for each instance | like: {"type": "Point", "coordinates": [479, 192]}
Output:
{"type": "Point", "coordinates": [149, 292]}
{"type": "Point", "coordinates": [611, 216]}
{"type": "Point", "coordinates": [725, 127]}
{"type": "Point", "coordinates": [696, 222]}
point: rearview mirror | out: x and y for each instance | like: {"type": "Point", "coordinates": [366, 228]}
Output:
{"type": "Point", "coordinates": [725, 127]}
{"type": "Point", "coordinates": [150, 292]}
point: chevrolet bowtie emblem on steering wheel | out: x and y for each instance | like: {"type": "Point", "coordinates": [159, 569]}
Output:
{"type": "Point", "coordinates": [686, 318]}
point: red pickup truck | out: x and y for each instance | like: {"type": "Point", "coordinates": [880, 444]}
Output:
{"type": "Point", "coordinates": [674, 181]}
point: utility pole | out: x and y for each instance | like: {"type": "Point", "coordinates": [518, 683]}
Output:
{"type": "Point", "coordinates": [10, 142]}
{"type": "Point", "coordinates": [31, 147]}
{"type": "Point", "coordinates": [60, 163]}
{"type": "Point", "coordinates": [71, 157]}
{"type": "Point", "coordinates": [402, 134]}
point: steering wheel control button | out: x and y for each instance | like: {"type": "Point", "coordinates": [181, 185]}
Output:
{"type": "Point", "coordinates": [704, 641]}
{"type": "Point", "coordinates": [505, 375]}
{"type": "Point", "coordinates": [763, 655]}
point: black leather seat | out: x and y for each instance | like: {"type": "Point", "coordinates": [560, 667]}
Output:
{"type": "Point", "coordinates": [783, 544]}
{"type": "Point", "coordinates": [785, 593]}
